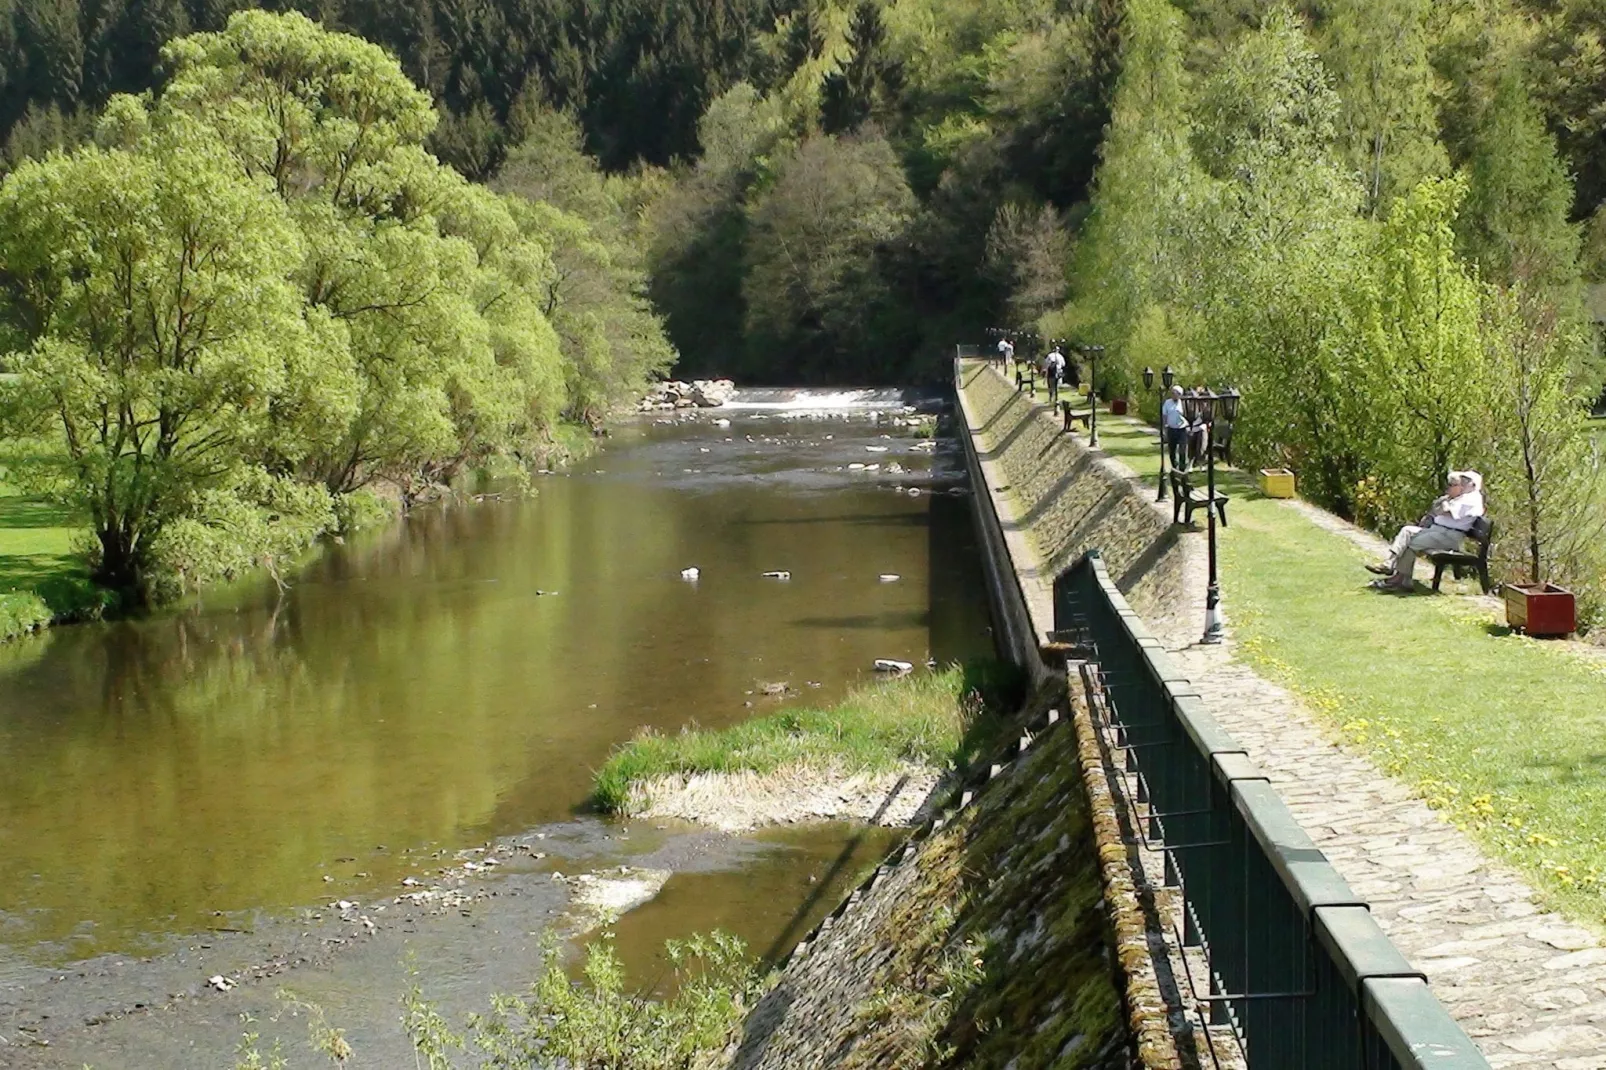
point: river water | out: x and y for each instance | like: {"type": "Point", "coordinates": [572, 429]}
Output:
{"type": "Point", "coordinates": [458, 677]}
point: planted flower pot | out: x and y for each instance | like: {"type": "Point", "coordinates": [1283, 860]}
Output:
{"type": "Point", "coordinates": [1118, 406]}
{"type": "Point", "coordinates": [1540, 609]}
{"type": "Point", "coordinates": [1276, 482]}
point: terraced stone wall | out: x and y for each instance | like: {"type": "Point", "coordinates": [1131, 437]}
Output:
{"type": "Point", "coordinates": [983, 945]}
{"type": "Point", "coordinates": [1068, 501]}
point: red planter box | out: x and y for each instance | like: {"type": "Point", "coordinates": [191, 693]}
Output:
{"type": "Point", "coordinates": [1118, 406]}
{"type": "Point", "coordinates": [1540, 609]}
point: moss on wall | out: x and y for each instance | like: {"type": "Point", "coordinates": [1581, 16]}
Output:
{"type": "Point", "coordinates": [984, 947]}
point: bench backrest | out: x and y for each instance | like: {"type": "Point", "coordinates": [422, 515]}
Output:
{"type": "Point", "coordinates": [1483, 532]}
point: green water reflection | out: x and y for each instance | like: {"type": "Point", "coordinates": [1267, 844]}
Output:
{"type": "Point", "coordinates": [418, 689]}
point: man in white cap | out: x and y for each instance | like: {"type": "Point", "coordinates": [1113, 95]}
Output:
{"type": "Point", "coordinates": [1443, 527]}
{"type": "Point", "coordinates": [1174, 426]}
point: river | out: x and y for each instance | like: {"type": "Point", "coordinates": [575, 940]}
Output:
{"type": "Point", "coordinates": [454, 680]}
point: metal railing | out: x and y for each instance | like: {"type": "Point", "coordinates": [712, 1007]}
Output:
{"type": "Point", "coordinates": [1296, 972]}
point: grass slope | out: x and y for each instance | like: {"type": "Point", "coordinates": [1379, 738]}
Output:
{"type": "Point", "coordinates": [41, 578]}
{"type": "Point", "coordinates": [928, 718]}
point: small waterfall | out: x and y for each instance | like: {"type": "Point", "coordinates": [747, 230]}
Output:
{"type": "Point", "coordinates": [822, 399]}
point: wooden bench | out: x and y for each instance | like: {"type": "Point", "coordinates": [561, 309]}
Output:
{"type": "Point", "coordinates": [1185, 498]}
{"type": "Point", "coordinates": [1025, 376]}
{"type": "Point", "coordinates": [1085, 416]}
{"type": "Point", "coordinates": [1482, 533]}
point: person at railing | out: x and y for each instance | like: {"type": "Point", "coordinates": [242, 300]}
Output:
{"type": "Point", "coordinates": [1174, 427]}
{"type": "Point", "coordinates": [1006, 353]}
{"type": "Point", "coordinates": [1443, 527]}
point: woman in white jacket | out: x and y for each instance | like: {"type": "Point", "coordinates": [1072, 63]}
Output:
{"type": "Point", "coordinates": [1442, 528]}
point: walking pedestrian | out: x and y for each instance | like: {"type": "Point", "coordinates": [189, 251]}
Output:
{"type": "Point", "coordinates": [1054, 371]}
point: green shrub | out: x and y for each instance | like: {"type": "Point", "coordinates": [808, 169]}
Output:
{"type": "Point", "coordinates": [600, 1022]}
{"type": "Point", "coordinates": [363, 509]}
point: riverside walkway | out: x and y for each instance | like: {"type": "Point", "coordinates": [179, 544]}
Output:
{"type": "Point", "coordinates": [1528, 985]}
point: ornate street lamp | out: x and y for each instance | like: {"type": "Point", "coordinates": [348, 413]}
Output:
{"type": "Point", "coordinates": [1207, 404]}
{"type": "Point", "coordinates": [1093, 354]}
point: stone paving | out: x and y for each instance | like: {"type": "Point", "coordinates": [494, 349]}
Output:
{"type": "Point", "coordinates": [1526, 984]}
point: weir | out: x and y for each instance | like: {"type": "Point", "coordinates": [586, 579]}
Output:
{"type": "Point", "coordinates": [1270, 959]}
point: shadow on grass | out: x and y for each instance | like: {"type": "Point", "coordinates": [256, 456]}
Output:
{"type": "Point", "coordinates": [17, 513]}
{"type": "Point", "coordinates": [34, 572]}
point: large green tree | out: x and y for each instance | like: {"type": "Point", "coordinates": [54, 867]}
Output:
{"type": "Point", "coordinates": [817, 286]}
{"type": "Point", "coordinates": [153, 285]}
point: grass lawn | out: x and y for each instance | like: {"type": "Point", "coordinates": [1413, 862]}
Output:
{"type": "Point", "coordinates": [41, 578]}
{"type": "Point", "coordinates": [1505, 734]}
{"type": "Point", "coordinates": [928, 718]}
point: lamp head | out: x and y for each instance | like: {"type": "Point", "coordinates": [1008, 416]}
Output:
{"type": "Point", "coordinates": [1168, 377]}
{"type": "Point", "coordinates": [1148, 378]}
{"type": "Point", "coordinates": [1229, 403]}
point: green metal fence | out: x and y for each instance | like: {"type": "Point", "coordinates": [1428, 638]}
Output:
{"type": "Point", "coordinates": [1298, 974]}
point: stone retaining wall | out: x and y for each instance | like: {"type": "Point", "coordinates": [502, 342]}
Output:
{"type": "Point", "coordinates": [1068, 501]}
{"type": "Point", "coordinates": [982, 944]}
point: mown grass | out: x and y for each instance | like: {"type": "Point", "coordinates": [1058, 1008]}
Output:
{"type": "Point", "coordinates": [42, 578]}
{"type": "Point", "coordinates": [938, 718]}
{"type": "Point", "coordinates": [1504, 733]}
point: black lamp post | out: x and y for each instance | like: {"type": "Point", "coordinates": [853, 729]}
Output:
{"type": "Point", "coordinates": [1167, 379]}
{"type": "Point", "coordinates": [1093, 354]}
{"type": "Point", "coordinates": [1204, 406]}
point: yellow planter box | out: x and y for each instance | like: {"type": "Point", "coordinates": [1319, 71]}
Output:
{"type": "Point", "coordinates": [1276, 482]}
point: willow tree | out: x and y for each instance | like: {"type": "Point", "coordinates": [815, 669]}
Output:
{"type": "Point", "coordinates": [152, 285]}
{"type": "Point", "coordinates": [401, 255]}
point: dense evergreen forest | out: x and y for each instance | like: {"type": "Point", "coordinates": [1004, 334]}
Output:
{"type": "Point", "coordinates": [1380, 218]}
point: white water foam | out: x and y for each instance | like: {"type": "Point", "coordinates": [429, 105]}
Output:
{"type": "Point", "coordinates": [762, 400]}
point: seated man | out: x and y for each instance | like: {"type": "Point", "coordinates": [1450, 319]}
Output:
{"type": "Point", "coordinates": [1442, 528]}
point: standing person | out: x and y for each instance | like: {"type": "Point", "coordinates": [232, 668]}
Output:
{"type": "Point", "coordinates": [1054, 371]}
{"type": "Point", "coordinates": [1174, 429]}
{"type": "Point", "coordinates": [1006, 352]}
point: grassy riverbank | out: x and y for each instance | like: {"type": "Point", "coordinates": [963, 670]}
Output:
{"type": "Point", "coordinates": [933, 720]}
{"type": "Point", "coordinates": [1499, 731]}
{"type": "Point", "coordinates": [42, 579]}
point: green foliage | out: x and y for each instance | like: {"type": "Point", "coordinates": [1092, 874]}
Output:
{"type": "Point", "coordinates": [258, 293]}
{"type": "Point", "coordinates": [933, 719]}
{"type": "Point", "coordinates": [1288, 229]}
{"type": "Point", "coordinates": [600, 1021]}
{"type": "Point", "coordinates": [154, 287]}
{"type": "Point", "coordinates": [611, 338]}
{"type": "Point", "coordinates": [1388, 130]}
{"type": "Point", "coordinates": [818, 283]}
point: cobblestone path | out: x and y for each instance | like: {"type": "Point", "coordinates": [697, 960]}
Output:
{"type": "Point", "coordinates": [1527, 985]}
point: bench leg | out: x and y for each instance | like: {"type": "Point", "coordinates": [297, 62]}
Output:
{"type": "Point", "coordinates": [1483, 577]}
{"type": "Point", "coordinates": [1438, 574]}
{"type": "Point", "coordinates": [1176, 510]}
{"type": "Point", "coordinates": [1221, 510]}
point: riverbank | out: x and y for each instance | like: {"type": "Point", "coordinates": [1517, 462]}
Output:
{"type": "Point", "coordinates": [43, 580]}
{"type": "Point", "coordinates": [877, 756]}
